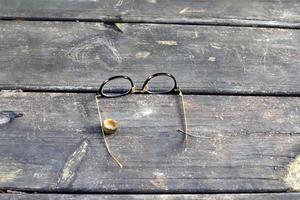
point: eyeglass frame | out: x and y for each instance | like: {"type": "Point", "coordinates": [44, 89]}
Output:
{"type": "Point", "coordinates": [144, 90]}
{"type": "Point", "coordinates": [133, 88]}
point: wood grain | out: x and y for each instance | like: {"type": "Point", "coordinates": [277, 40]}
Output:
{"type": "Point", "coordinates": [74, 56]}
{"type": "Point", "coordinates": [280, 196]}
{"type": "Point", "coordinates": [224, 12]}
{"type": "Point", "coordinates": [245, 144]}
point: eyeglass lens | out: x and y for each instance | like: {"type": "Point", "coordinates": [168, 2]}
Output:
{"type": "Point", "coordinates": [160, 84]}
{"type": "Point", "coordinates": [117, 87]}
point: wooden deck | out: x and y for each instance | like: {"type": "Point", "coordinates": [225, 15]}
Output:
{"type": "Point", "coordinates": [236, 61]}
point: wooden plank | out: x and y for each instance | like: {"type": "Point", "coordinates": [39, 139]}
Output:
{"type": "Point", "coordinates": [79, 56]}
{"type": "Point", "coordinates": [246, 144]}
{"type": "Point", "coordinates": [229, 12]}
{"type": "Point", "coordinates": [280, 196]}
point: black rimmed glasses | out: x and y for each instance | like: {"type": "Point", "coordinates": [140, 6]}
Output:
{"type": "Point", "coordinates": [159, 83]}
{"type": "Point", "coordinates": [118, 86]}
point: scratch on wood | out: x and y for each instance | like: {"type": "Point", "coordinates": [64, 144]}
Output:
{"type": "Point", "coordinates": [167, 42]}
{"type": "Point", "coordinates": [68, 172]}
{"type": "Point", "coordinates": [292, 178]}
{"type": "Point", "coordinates": [159, 181]}
{"type": "Point", "coordinates": [188, 10]}
{"type": "Point", "coordinates": [114, 51]}
{"type": "Point", "coordinates": [83, 52]}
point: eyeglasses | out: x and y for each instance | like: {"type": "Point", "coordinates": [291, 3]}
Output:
{"type": "Point", "coordinates": [118, 86]}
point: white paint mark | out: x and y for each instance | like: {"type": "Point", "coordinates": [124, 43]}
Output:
{"type": "Point", "coordinates": [158, 173]}
{"type": "Point", "coordinates": [4, 119]}
{"type": "Point", "coordinates": [9, 170]}
{"type": "Point", "coordinates": [292, 178]}
{"type": "Point", "coordinates": [196, 35]}
{"type": "Point", "coordinates": [142, 54]}
{"type": "Point", "coordinates": [220, 117]}
{"type": "Point", "coordinates": [120, 2]}
{"type": "Point", "coordinates": [188, 10]}
{"type": "Point", "coordinates": [10, 93]}
{"type": "Point", "coordinates": [44, 115]}
{"type": "Point", "coordinates": [121, 26]}
{"type": "Point", "coordinates": [167, 42]}
{"type": "Point", "coordinates": [152, 1]}
{"type": "Point", "coordinates": [53, 95]}
{"type": "Point", "coordinates": [6, 176]}
{"type": "Point", "coordinates": [147, 111]}
{"type": "Point", "coordinates": [215, 46]}
{"type": "Point", "coordinates": [160, 181]}
{"type": "Point", "coordinates": [212, 59]}
{"type": "Point", "coordinates": [68, 172]}
{"type": "Point", "coordinates": [143, 112]}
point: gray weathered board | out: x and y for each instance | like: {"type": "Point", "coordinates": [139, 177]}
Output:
{"type": "Point", "coordinates": [280, 196]}
{"type": "Point", "coordinates": [233, 12]}
{"type": "Point", "coordinates": [79, 56]}
{"type": "Point", "coordinates": [246, 144]}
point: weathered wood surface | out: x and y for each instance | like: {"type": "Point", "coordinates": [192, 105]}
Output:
{"type": "Point", "coordinates": [79, 56]}
{"type": "Point", "coordinates": [246, 144]}
{"type": "Point", "coordinates": [232, 12]}
{"type": "Point", "coordinates": [280, 196]}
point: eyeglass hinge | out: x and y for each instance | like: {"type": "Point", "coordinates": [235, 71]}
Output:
{"type": "Point", "coordinates": [178, 91]}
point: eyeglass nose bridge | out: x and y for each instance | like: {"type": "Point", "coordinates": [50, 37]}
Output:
{"type": "Point", "coordinates": [137, 90]}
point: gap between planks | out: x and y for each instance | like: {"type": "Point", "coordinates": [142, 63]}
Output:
{"type": "Point", "coordinates": [185, 92]}
{"type": "Point", "coordinates": [229, 23]}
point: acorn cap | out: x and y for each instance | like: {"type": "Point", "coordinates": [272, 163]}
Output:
{"type": "Point", "coordinates": [110, 126]}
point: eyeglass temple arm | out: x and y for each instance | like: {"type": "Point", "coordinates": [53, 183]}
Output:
{"type": "Point", "coordinates": [185, 120]}
{"type": "Point", "coordinates": [103, 134]}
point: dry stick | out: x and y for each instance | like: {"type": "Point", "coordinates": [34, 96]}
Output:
{"type": "Point", "coordinates": [104, 138]}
